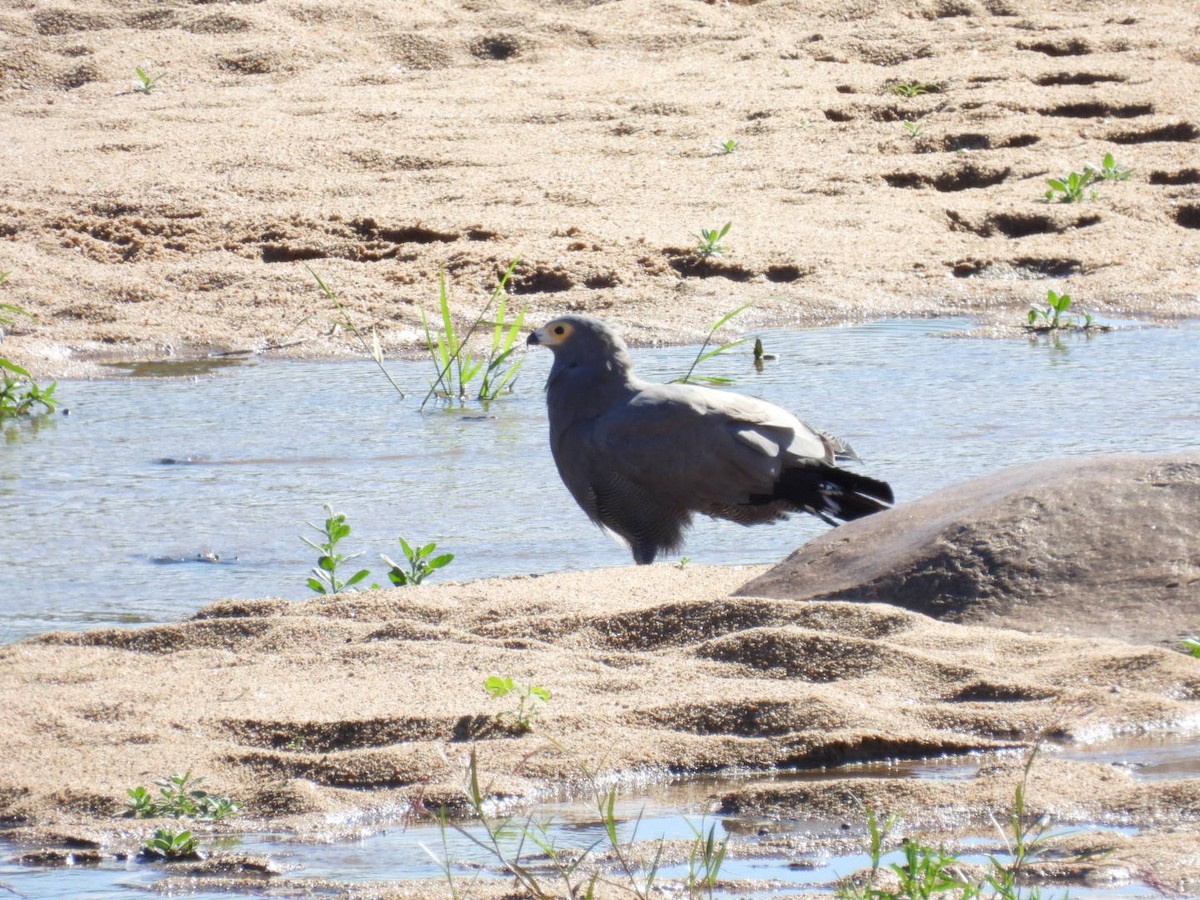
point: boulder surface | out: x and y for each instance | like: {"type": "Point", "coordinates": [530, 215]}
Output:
{"type": "Point", "coordinates": [1100, 545]}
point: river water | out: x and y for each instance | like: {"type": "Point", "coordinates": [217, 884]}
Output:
{"type": "Point", "coordinates": [155, 496]}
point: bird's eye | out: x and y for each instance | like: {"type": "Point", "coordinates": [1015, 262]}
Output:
{"type": "Point", "coordinates": [560, 330]}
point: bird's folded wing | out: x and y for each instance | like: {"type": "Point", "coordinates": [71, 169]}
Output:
{"type": "Point", "coordinates": [702, 445]}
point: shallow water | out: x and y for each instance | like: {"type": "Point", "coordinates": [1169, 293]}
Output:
{"type": "Point", "coordinates": [156, 496]}
{"type": "Point", "coordinates": [383, 851]}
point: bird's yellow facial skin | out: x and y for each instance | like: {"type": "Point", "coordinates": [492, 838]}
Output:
{"type": "Point", "coordinates": [555, 332]}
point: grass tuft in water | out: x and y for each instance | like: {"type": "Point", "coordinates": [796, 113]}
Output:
{"type": "Point", "coordinates": [457, 368]}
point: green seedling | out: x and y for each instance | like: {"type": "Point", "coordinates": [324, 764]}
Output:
{"type": "Point", "coordinates": [912, 88]}
{"type": "Point", "coordinates": [1054, 315]}
{"type": "Point", "coordinates": [179, 796]}
{"type": "Point", "coordinates": [728, 146]}
{"type": "Point", "coordinates": [421, 563]}
{"type": "Point", "coordinates": [1192, 645]}
{"type": "Point", "coordinates": [1109, 170]}
{"type": "Point", "coordinates": [170, 844]}
{"type": "Point", "coordinates": [20, 395]}
{"type": "Point", "coordinates": [1054, 312]}
{"type": "Point", "coordinates": [457, 368]}
{"type": "Point", "coordinates": [704, 354]}
{"type": "Point", "coordinates": [914, 129]}
{"type": "Point", "coordinates": [325, 578]}
{"type": "Point", "coordinates": [710, 241]}
{"type": "Point", "coordinates": [530, 698]}
{"type": "Point", "coordinates": [1072, 188]}
{"type": "Point", "coordinates": [146, 84]}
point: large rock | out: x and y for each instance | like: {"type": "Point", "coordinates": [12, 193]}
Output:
{"type": "Point", "coordinates": [1101, 545]}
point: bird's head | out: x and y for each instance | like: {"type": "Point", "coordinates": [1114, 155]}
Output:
{"type": "Point", "coordinates": [581, 342]}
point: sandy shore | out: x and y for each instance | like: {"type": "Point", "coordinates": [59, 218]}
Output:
{"type": "Point", "coordinates": [380, 145]}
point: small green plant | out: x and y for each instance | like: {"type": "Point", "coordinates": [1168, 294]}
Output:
{"type": "Point", "coordinates": [710, 241]}
{"type": "Point", "coordinates": [20, 395]}
{"type": "Point", "coordinates": [728, 146]}
{"type": "Point", "coordinates": [1109, 170]}
{"type": "Point", "coordinates": [530, 698]}
{"type": "Point", "coordinates": [170, 844]}
{"type": "Point", "coordinates": [704, 860]}
{"type": "Point", "coordinates": [179, 796]}
{"type": "Point", "coordinates": [914, 129]}
{"type": "Point", "coordinates": [421, 563]}
{"type": "Point", "coordinates": [145, 83]}
{"type": "Point", "coordinates": [1192, 645]}
{"type": "Point", "coordinates": [1054, 314]}
{"type": "Point", "coordinates": [912, 88]}
{"type": "Point", "coordinates": [456, 367]}
{"type": "Point", "coordinates": [704, 354]}
{"type": "Point", "coordinates": [325, 578]}
{"type": "Point", "coordinates": [1072, 188]}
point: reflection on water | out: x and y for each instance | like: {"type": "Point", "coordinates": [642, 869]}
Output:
{"type": "Point", "coordinates": [145, 473]}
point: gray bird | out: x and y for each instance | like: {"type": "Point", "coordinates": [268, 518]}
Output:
{"type": "Point", "coordinates": [641, 458]}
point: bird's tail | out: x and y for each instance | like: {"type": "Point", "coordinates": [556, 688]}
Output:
{"type": "Point", "coordinates": [833, 494]}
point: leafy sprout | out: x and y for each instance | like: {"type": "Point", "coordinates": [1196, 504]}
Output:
{"type": "Point", "coordinates": [728, 146]}
{"type": "Point", "coordinates": [710, 241]}
{"type": "Point", "coordinates": [179, 796]}
{"type": "Point", "coordinates": [170, 844]}
{"type": "Point", "coordinates": [1072, 188]}
{"type": "Point", "coordinates": [20, 395]}
{"type": "Point", "coordinates": [912, 88]}
{"type": "Point", "coordinates": [530, 698]}
{"type": "Point", "coordinates": [325, 578]}
{"type": "Point", "coordinates": [1192, 645]}
{"type": "Point", "coordinates": [914, 129]}
{"type": "Point", "coordinates": [146, 84]}
{"type": "Point", "coordinates": [1054, 314]}
{"type": "Point", "coordinates": [421, 563]}
{"type": "Point", "coordinates": [1109, 170]}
